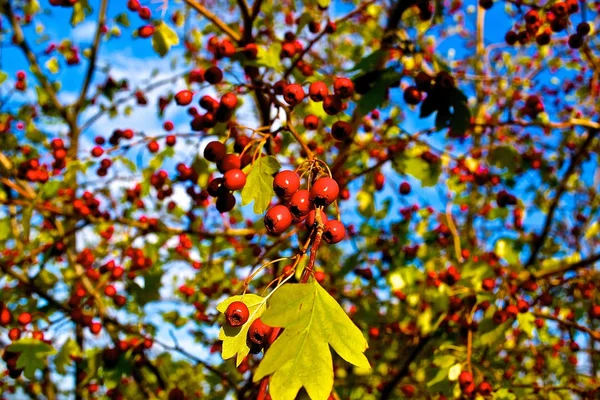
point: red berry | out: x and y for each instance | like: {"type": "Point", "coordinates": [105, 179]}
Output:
{"type": "Point", "coordinates": [95, 328]}
{"type": "Point", "coordinates": [311, 218]}
{"type": "Point", "coordinates": [184, 97]}
{"type": "Point", "coordinates": [229, 162]}
{"type": "Point", "coordinates": [215, 151]}
{"type": "Point", "coordinates": [300, 204]}
{"type": "Point", "coordinates": [146, 31]}
{"type": "Point", "coordinates": [412, 95]}
{"type": "Point", "coordinates": [278, 219]}
{"type": "Point", "coordinates": [237, 314]}
{"type": "Point", "coordinates": [408, 390]}
{"type": "Point", "coordinates": [404, 188]}
{"type": "Point", "coordinates": [229, 101]}
{"type": "Point", "coordinates": [97, 151]}
{"type": "Point", "coordinates": [225, 202]}
{"type": "Point", "coordinates": [311, 122]}
{"type": "Point", "coordinates": [324, 191]}
{"type": "Point", "coordinates": [334, 231]}
{"type": "Point", "coordinates": [213, 75]}
{"type": "Point", "coordinates": [465, 379]}
{"type": "Point", "coordinates": [332, 104]}
{"type": "Point", "coordinates": [234, 179]}
{"type": "Point", "coordinates": [488, 284]}
{"type": "Point", "coordinates": [24, 318]}
{"type": "Point", "coordinates": [258, 332]}
{"type": "Point", "coordinates": [110, 290]}
{"type": "Point", "coordinates": [144, 13]}
{"type": "Point", "coordinates": [343, 87]}
{"type": "Point", "coordinates": [133, 5]}
{"type": "Point", "coordinates": [286, 183]}
{"type": "Point", "coordinates": [171, 140]}
{"type": "Point", "coordinates": [153, 146]}
{"type": "Point", "coordinates": [21, 75]}
{"type": "Point", "coordinates": [318, 91]}
{"type": "Point", "coordinates": [168, 126]}
{"type": "Point", "coordinates": [379, 180]}
{"type": "Point", "coordinates": [293, 94]}
{"type": "Point", "coordinates": [341, 130]}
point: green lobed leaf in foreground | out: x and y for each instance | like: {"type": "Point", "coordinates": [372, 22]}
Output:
{"type": "Point", "coordinates": [163, 39]}
{"type": "Point", "coordinates": [32, 355]}
{"type": "Point", "coordinates": [259, 183]}
{"type": "Point", "coordinates": [300, 357]}
{"type": "Point", "coordinates": [63, 358]}
{"type": "Point", "coordinates": [234, 339]}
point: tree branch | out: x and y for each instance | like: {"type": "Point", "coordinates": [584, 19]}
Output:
{"type": "Point", "coordinates": [214, 19]}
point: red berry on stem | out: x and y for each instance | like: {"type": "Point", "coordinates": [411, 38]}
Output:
{"type": "Point", "coordinates": [318, 91]}
{"type": "Point", "coordinates": [258, 332]}
{"type": "Point", "coordinates": [324, 191]}
{"type": "Point", "coordinates": [234, 179]}
{"type": "Point", "coordinates": [286, 183]}
{"type": "Point", "coordinates": [343, 87]}
{"type": "Point", "coordinates": [237, 314]}
{"type": "Point", "coordinates": [278, 219]}
{"type": "Point", "coordinates": [293, 94]}
{"type": "Point", "coordinates": [300, 204]}
{"type": "Point", "coordinates": [184, 97]}
{"type": "Point", "coordinates": [404, 188]}
{"type": "Point", "coordinates": [215, 151]}
{"type": "Point", "coordinates": [334, 231]}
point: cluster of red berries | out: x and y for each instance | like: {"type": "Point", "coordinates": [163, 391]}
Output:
{"type": "Point", "coordinates": [233, 178]}
{"type": "Point", "coordinates": [60, 154]}
{"type": "Point", "coordinates": [302, 205]}
{"type": "Point", "coordinates": [533, 106]}
{"type": "Point", "coordinates": [143, 12]}
{"type": "Point", "coordinates": [32, 171]}
{"type": "Point", "coordinates": [555, 20]}
{"type": "Point", "coordinates": [259, 334]}
{"type": "Point", "coordinates": [216, 111]}
{"type": "Point", "coordinates": [21, 83]}
{"type": "Point", "coordinates": [10, 358]}
{"type": "Point", "coordinates": [467, 385]}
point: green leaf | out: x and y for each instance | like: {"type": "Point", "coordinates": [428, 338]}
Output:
{"type": "Point", "coordinates": [370, 62]}
{"type": "Point", "coordinates": [80, 10]}
{"type": "Point", "coordinates": [504, 157]}
{"type": "Point", "coordinates": [123, 20]}
{"type": "Point", "coordinates": [234, 339]}
{"type": "Point", "coordinates": [300, 357]}
{"type": "Point", "coordinates": [366, 203]}
{"type": "Point", "coordinates": [33, 355]}
{"type": "Point", "coordinates": [505, 248]}
{"type": "Point", "coordinates": [63, 358]}
{"type": "Point", "coordinates": [427, 173]}
{"type": "Point", "coordinates": [503, 394]}
{"type": "Point", "coordinates": [323, 3]}
{"type": "Point", "coordinates": [526, 323]}
{"type": "Point", "coordinates": [259, 184]}
{"type": "Point", "coordinates": [269, 57]}
{"type": "Point", "coordinates": [3, 76]}
{"type": "Point", "coordinates": [52, 65]}
{"type": "Point", "coordinates": [163, 39]}
{"type": "Point", "coordinates": [150, 291]}
{"type": "Point", "coordinates": [4, 228]}
{"type": "Point", "coordinates": [375, 97]}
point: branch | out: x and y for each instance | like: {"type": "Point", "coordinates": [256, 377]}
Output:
{"type": "Point", "coordinates": [567, 268]}
{"type": "Point", "coordinates": [95, 46]}
{"type": "Point", "coordinates": [214, 19]}
{"type": "Point", "coordinates": [585, 329]}
{"type": "Point", "coordinates": [19, 40]}
{"type": "Point", "coordinates": [561, 189]}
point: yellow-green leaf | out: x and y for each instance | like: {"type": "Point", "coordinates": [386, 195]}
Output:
{"type": "Point", "coordinates": [163, 39]}
{"type": "Point", "coordinates": [259, 183]}
{"type": "Point", "coordinates": [80, 10]}
{"type": "Point", "coordinates": [32, 355]}
{"type": "Point", "coordinates": [63, 358]}
{"type": "Point", "coordinates": [234, 339]}
{"type": "Point", "coordinates": [300, 357]}
{"type": "Point", "coordinates": [52, 65]}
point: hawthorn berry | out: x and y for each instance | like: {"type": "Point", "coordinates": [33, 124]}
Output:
{"type": "Point", "coordinates": [343, 87]}
{"type": "Point", "coordinates": [334, 231]}
{"type": "Point", "coordinates": [318, 91]}
{"type": "Point", "coordinates": [24, 318]}
{"type": "Point", "coordinates": [229, 162]}
{"type": "Point", "coordinates": [229, 101]}
{"type": "Point", "coordinates": [341, 130]}
{"type": "Point", "coordinates": [404, 188]}
{"type": "Point", "coordinates": [332, 104]}
{"type": "Point", "coordinates": [300, 204]}
{"type": "Point", "coordinates": [234, 179]}
{"type": "Point", "coordinates": [324, 191]}
{"type": "Point", "coordinates": [213, 75]}
{"type": "Point", "coordinates": [311, 122]}
{"type": "Point", "coordinates": [170, 140]}
{"type": "Point", "coordinates": [583, 28]}
{"type": "Point", "coordinates": [184, 97]}
{"type": "Point", "coordinates": [278, 219]}
{"type": "Point", "coordinates": [258, 332]}
{"type": "Point", "coordinates": [153, 146]}
{"type": "Point", "coordinates": [311, 218]}
{"type": "Point", "coordinates": [145, 31]}
{"type": "Point", "coordinates": [225, 202]}
{"type": "Point", "coordinates": [412, 95]}
{"type": "Point", "coordinates": [237, 314]}
{"type": "Point", "coordinates": [215, 151]}
{"type": "Point", "coordinates": [465, 379]}
{"type": "Point", "coordinates": [286, 183]}
{"type": "Point", "coordinates": [486, 4]}
{"type": "Point", "coordinates": [293, 94]}
{"type": "Point", "coordinates": [216, 188]}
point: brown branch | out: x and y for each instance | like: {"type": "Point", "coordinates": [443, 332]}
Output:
{"type": "Point", "coordinates": [94, 54]}
{"type": "Point", "coordinates": [214, 19]}
{"type": "Point", "coordinates": [581, 328]}
{"type": "Point", "coordinates": [562, 188]}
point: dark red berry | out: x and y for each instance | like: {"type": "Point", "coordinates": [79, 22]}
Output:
{"type": "Point", "coordinates": [237, 314]}
{"type": "Point", "coordinates": [229, 101]}
{"type": "Point", "coordinates": [278, 219]}
{"type": "Point", "coordinates": [404, 188]}
{"type": "Point", "coordinates": [332, 104]}
{"type": "Point", "coordinates": [225, 202]}
{"type": "Point", "coordinates": [293, 94]}
{"type": "Point", "coordinates": [311, 122]}
{"type": "Point", "coordinates": [334, 231]}
{"type": "Point", "coordinates": [286, 183]}
{"type": "Point", "coordinates": [311, 218]}
{"type": "Point", "coordinates": [213, 75]}
{"type": "Point", "coordinates": [324, 191]}
{"type": "Point", "coordinates": [583, 29]}
{"type": "Point", "coordinates": [341, 130]}
{"type": "Point", "coordinates": [412, 95]}
{"type": "Point", "coordinates": [229, 162]}
{"type": "Point", "coordinates": [215, 151]}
